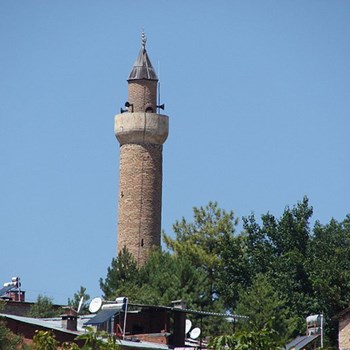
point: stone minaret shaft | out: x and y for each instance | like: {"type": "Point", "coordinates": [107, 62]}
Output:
{"type": "Point", "coordinates": [141, 133]}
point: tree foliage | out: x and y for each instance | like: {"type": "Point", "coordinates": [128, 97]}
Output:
{"type": "Point", "coordinates": [96, 340]}
{"type": "Point", "coordinates": [304, 265]}
{"type": "Point", "coordinates": [200, 242]}
{"type": "Point", "coordinates": [163, 278]}
{"type": "Point", "coordinates": [44, 308]}
{"type": "Point", "coordinates": [278, 268]}
{"type": "Point", "coordinates": [167, 277]}
{"type": "Point", "coordinates": [266, 310]}
{"type": "Point", "coordinates": [93, 340]}
{"type": "Point", "coordinates": [69, 346]}
{"type": "Point", "coordinates": [263, 339]}
{"type": "Point", "coordinates": [44, 340]}
{"type": "Point", "coordinates": [78, 296]}
{"type": "Point", "coordinates": [122, 277]}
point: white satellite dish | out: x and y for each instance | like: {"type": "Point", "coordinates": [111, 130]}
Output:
{"type": "Point", "coordinates": [95, 305]}
{"type": "Point", "coordinates": [188, 326]}
{"type": "Point", "coordinates": [80, 304]}
{"type": "Point", "coordinates": [195, 333]}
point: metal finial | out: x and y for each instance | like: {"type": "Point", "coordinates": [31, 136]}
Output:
{"type": "Point", "coordinates": [144, 39]}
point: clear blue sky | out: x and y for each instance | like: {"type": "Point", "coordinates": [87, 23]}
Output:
{"type": "Point", "coordinates": [258, 97]}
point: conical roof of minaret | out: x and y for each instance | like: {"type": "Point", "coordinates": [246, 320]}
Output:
{"type": "Point", "coordinates": [142, 68]}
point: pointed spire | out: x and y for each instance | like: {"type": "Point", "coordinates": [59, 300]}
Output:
{"type": "Point", "coordinates": [142, 68]}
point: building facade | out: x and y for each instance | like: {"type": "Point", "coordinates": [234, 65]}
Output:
{"type": "Point", "coordinates": [343, 319]}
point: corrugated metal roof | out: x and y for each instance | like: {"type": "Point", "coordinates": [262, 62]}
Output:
{"type": "Point", "coordinates": [49, 323]}
{"type": "Point", "coordinates": [142, 68]}
{"type": "Point", "coordinates": [190, 311]}
{"type": "Point", "coordinates": [143, 345]}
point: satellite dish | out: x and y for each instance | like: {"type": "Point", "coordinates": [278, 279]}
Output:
{"type": "Point", "coordinates": [80, 304]}
{"type": "Point", "coordinates": [188, 326]}
{"type": "Point", "coordinates": [195, 333]}
{"type": "Point", "coordinates": [95, 305]}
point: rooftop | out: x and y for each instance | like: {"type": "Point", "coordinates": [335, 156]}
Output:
{"type": "Point", "coordinates": [142, 68]}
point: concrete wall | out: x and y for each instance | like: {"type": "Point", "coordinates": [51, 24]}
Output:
{"type": "Point", "coordinates": [141, 128]}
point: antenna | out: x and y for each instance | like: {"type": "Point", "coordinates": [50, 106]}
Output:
{"type": "Point", "coordinates": [158, 86]}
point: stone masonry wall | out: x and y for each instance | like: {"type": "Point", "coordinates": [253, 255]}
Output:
{"type": "Point", "coordinates": [140, 199]}
{"type": "Point", "coordinates": [344, 332]}
{"type": "Point", "coordinates": [142, 94]}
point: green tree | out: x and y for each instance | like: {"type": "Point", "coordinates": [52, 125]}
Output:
{"type": "Point", "coordinates": [263, 339]}
{"type": "Point", "coordinates": [122, 278]}
{"type": "Point", "coordinates": [199, 241]}
{"type": "Point", "coordinates": [190, 272]}
{"type": "Point", "coordinates": [43, 308]}
{"type": "Point", "coordinates": [44, 340]}
{"type": "Point", "coordinates": [111, 342]}
{"type": "Point", "coordinates": [329, 270]}
{"type": "Point", "coordinates": [81, 293]}
{"type": "Point", "coordinates": [167, 277]}
{"type": "Point", "coordinates": [92, 339]}
{"type": "Point", "coordinates": [69, 346]}
{"type": "Point", "coordinates": [223, 342]}
{"type": "Point", "coordinates": [163, 278]}
{"type": "Point", "coordinates": [235, 273]}
{"type": "Point", "coordinates": [302, 268]}
{"type": "Point", "coordinates": [266, 311]}
{"type": "Point", "coordinates": [305, 266]}
{"type": "Point", "coordinates": [279, 249]}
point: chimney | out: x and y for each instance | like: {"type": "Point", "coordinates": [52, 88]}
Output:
{"type": "Point", "coordinates": [70, 319]}
{"type": "Point", "coordinates": [178, 304]}
{"type": "Point", "coordinates": [179, 323]}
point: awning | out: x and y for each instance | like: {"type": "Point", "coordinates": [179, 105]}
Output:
{"type": "Point", "coordinates": [102, 316]}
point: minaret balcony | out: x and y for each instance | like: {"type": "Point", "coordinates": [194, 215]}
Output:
{"type": "Point", "coordinates": [141, 127]}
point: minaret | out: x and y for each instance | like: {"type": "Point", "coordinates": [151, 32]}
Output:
{"type": "Point", "coordinates": [141, 133]}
